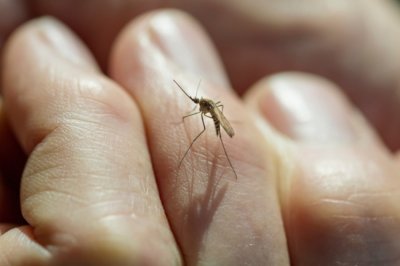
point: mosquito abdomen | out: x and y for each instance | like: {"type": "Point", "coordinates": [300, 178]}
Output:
{"type": "Point", "coordinates": [216, 124]}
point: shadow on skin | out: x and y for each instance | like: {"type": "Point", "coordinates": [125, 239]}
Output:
{"type": "Point", "coordinates": [201, 212]}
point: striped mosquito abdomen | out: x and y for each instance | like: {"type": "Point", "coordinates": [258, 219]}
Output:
{"type": "Point", "coordinates": [217, 123]}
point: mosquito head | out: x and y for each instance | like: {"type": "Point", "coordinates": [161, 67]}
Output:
{"type": "Point", "coordinates": [206, 105]}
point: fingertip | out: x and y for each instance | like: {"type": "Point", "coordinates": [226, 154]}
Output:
{"type": "Point", "coordinates": [41, 45]}
{"type": "Point", "coordinates": [46, 36]}
{"type": "Point", "coordinates": [168, 43]}
{"type": "Point", "coordinates": [309, 109]}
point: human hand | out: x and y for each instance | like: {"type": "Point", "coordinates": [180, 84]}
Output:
{"type": "Point", "coordinates": [89, 188]}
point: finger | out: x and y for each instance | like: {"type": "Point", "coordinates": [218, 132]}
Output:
{"type": "Point", "coordinates": [88, 188]}
{"type": "Point", "coordinates": [12, 160]}
{"type": "Point", "coordinates": [19, 247]}
{"type": "Point", "coordinates": [340, 187]}
{"type": "Point", "coordinates": [216, 218]}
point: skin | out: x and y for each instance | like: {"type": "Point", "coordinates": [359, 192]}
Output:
{"type": "Point", "coordinates": [316, 184]}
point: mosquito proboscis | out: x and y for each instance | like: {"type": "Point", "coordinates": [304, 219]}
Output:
{"type": "Point", "coordinates": [210, 109]}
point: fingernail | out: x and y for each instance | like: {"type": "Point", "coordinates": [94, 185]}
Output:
{"type": "Point", "coordinates": [307, 109]}
{"type": "Point", "coordinates": [182, 41]}
{"type": "Point", "coordinates": [62, 41]}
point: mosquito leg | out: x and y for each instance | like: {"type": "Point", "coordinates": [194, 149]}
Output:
{"type": "Point", "coordinates": [227, 157]}
{"type": "Point", "coordinates": [194, 140]}
{"type": "Point", "coordinates": [183, 118]}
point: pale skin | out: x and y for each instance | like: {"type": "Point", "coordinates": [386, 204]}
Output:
{"type": "Point", "coordinates": [315, 183]}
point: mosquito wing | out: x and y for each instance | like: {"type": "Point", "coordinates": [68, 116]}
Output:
{"type": "Point", "coordinates": [224, 122]}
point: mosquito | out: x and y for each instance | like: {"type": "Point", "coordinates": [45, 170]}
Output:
{"type": "Point", "coordinates": [210, 109]}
